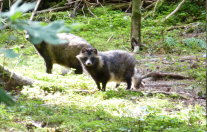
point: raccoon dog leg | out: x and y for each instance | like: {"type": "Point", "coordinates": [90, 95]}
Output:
{"type": "Point", "coordinates": [79, 70]}
{"type": "Point", "coordinates": [48, 66]}
{"type": "Point", "coordinates": [98, 85]}
{"type": "Point", "coordinates": [129, 83]}
{"type": "Point", "coordinates": [117, 85]}
{"type": "Point", "coordinates": [104, 86]}
{"type": "Point", "coordinates": [44, 53]}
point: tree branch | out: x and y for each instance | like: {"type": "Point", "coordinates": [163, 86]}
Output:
{"type": "Point", "coordinates": [176, 9]}
{"type": "Point", "coordinates": [53, 9]}
{"type": "Point", "coordinates": [35, 9]}
{"type": "Point", "coordinates": [76, 5]}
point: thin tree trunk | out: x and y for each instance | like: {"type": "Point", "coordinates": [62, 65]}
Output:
{"type": "Point", "coordinates": [1, 5]}
{"type": "Point", "coordinates": [136, 26]}
{"type": "Point", "coordinates": [206, 27]}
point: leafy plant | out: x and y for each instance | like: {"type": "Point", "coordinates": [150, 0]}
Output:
{"type": "Point", "coordinates": [195, 43]}
{"type": "Point", "coordinates": [170, 41]}
{"type": "Point", "coordinates": [5, 98]}
{"type": "Point", "coordinates": [37, 31]}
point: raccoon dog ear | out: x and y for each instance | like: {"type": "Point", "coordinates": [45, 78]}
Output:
{"type": "Point", "coordinates": [95, 51]}
{"type": "Point", "coordinates": [83, 50]}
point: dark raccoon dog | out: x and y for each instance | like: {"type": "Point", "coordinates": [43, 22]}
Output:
{"type": "Point", "coordinates": [117, 66]}
{"type": "Point", "coordinates": [63, 54]}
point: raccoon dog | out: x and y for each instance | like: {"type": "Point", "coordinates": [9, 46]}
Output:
{"type": "Point", "coordinates": [63, 54]}
{"type": "Point", "coordinates": [117, 66]}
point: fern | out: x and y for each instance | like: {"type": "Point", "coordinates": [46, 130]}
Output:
{"type": "Point", "coordinates": [169, 41]}
{"type": "Point", "coordinates": [195, 42]}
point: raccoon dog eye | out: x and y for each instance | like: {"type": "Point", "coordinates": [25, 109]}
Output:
{"type": "Point", "coordinates": [85, 58]}
{"type": "Point", "coordinates": [93, 59]}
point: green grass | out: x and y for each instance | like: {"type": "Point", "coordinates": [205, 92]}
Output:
{"type": "Point", "coordinates": [56, 104]}
{"type": "Point", "coordinates": [75, 112]}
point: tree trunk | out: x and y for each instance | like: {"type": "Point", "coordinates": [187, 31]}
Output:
{"type": "Point", "coordinates": [136, 26]}
{"type": "Point", "coordinates": [1, 5]}
{"type": "Point", "coordinates": [13, 81]}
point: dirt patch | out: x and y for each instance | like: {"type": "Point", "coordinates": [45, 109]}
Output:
{"type": "Point", "coordinates": [186, 88]}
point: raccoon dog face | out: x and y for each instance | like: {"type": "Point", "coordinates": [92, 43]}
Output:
{"type": "Point", "coordinates": [88, 57]}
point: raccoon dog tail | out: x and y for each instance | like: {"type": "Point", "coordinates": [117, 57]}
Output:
{"type": "Point", "coordinates": [136, 80]}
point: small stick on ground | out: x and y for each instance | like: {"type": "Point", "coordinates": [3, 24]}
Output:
{"type": "Point", "coordinates": [109, 38]}
{"type": "Point", "coordinates": [159, 75]}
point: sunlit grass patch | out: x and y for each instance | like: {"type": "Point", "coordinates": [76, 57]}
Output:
{"type": "Point", "coordinates": [69, 110]}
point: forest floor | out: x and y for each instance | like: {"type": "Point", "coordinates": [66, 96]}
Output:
{"type": "Point", "coordinates": [72, 102]}
{"type": "Point", "coordinates": [185, 88]}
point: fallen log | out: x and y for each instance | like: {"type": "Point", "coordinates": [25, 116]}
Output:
{"type": "Point", "coordinates": [53, 9]}
{"type": "Point", "coordinates": [159, 75]}
{"type": "Point", "coordinates": [120, 6]}
{"type": "Point", "coordinates": [13, 81]}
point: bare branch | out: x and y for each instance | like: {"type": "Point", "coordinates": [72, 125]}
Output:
{"type": "Point", "coordinates": [53, 9]}
{"type": "Point", "coordinates": [176, 9]}
{"type": "Point", "coordinates": [150, 6]}
{"type": "Point", "coordinates": [35, 9]}
{"type": "Point", "coordinates": [77, 3]}
{"type": "Point", "coordinates": [156, 3]}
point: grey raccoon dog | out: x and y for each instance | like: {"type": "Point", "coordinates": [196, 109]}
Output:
{"type": "Point", "coordinates": [117, 66]}
{"type": "Point", "coordinates": [63, 54]}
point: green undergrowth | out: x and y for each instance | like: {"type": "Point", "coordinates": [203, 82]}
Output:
{"type": "Point", "coordinates": [39, 110]}
{"type": "Point", "coordinates": [61, 103]}
{"type": "Point", "coordinates": [110, 29]}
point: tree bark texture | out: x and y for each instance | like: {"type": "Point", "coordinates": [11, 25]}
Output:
{"type": "Point", "coordinates": [136, 26]}
{"type": "Point", "coordinates": [1, 5]}
{"type": "Point", "coordinates": [13, 81]}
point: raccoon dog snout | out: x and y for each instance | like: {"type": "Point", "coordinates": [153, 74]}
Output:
{"type": "Point", "coordinates": [88, 63]}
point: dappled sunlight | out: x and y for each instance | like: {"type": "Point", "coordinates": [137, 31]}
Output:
{"type": "Point", "coordinates": [93, 109]}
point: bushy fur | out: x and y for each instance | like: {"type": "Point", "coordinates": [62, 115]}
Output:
{"type": "Point", "coordinates": [117, 66]}
{"type": "Point", "coordinates": [63, 54]}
